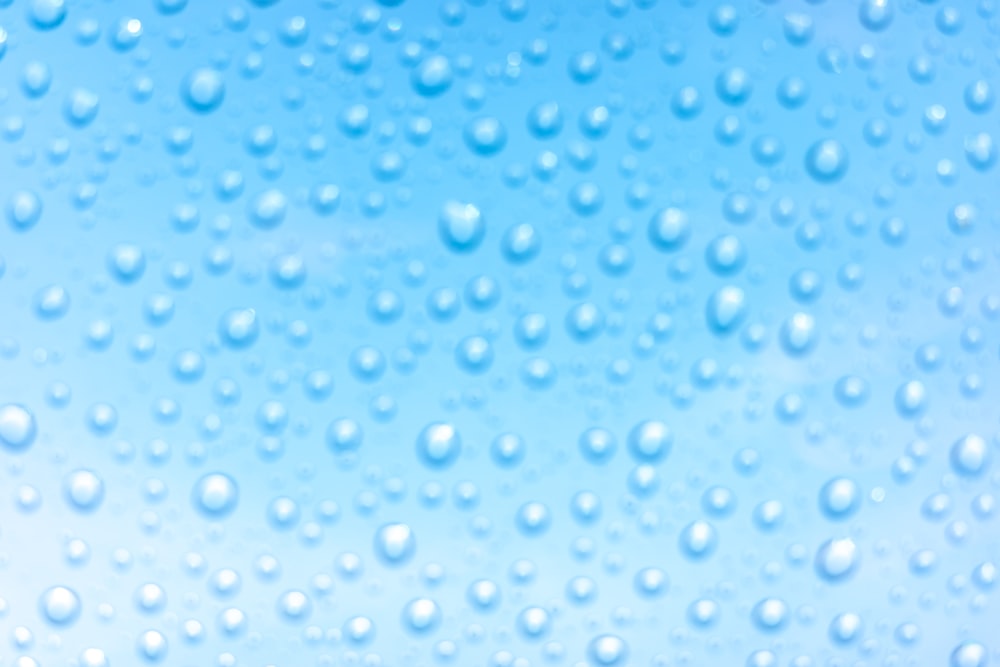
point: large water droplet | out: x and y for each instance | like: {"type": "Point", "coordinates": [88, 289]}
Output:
{"type": "Point", "coordinates": [461, 226]}
{"type": "Point", "coordinates": [438, 445]}
{"type": "Point", "coordinates": [395, 544]}
{"type": "Point", "coordinates": [826, 161]}
{"type": "Point", "coordinates": [17, 427]}
{"type": "Point", "coordinates": [837, 559]}
{"type": "Point", "coordinates": [83, 490]}
{"type": "Point", "coordinates": [215, 495]}
{"type": "Point", "coordinates": [60, 605]}
{"type": "Point", "coordinates": [203, 90]}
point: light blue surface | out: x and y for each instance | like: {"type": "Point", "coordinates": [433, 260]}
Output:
{"type": "Point", "coordinates": [504, 334]}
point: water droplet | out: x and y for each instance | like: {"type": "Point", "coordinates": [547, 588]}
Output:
{"type": "Point", "coordinates": [485, 136]}
{"type": "Point", "coordinates": [203, 90]}
{"type": "Point", "coordinates": [508, 450]}
{"type": "Point", "coordinates": [826, 161]}
{"type": "Point", "coordinates": [438, 445]}
{"type": "Point", "coordinates": [970, 456]}
{"type": "Point", "coordinates": [875, 15]}
{"type": "Point", "coordinates": [421, 616]}
{"type": "Point", "coordinates": [395, 544]}
{"type": "Point", "coordinates": [698, 540]}
{"type": "Point", "coordinates": [60, 605]}
{"type": "Point", "coordinates": [533, 623]}
{"type": "Point", "coordinates": [837, 560]}
{"type": "Point", "coordinates": [461, 226]}
{"type": "Point", "coordinates": [239, 328]}
{"type": "Point", "coordinates": [83, 490]}
{"type": "Point", "coordinates": [651, 582]}
{"type": "Point", "coordinates": [51, 302]}
{"type": "Point", "coordinates": [46, 14]}
{"type": "Point", "coordinates": [607, 651]}
{"type": "Point", "coordinates": [294, 606]}
{"type": "Point", "coordinates": [17, 427]}
{"type": "Point", "coordinates": [81, 107]}
{"type": "Point", "coordinates": [533, 519]}
{"type": "Point", "coordinates": [969, 654]}
{"type": "Point", "coordinates": [24, 210]}
{"type": "Point", "coordinates": [36, 78]}
{"type": "Point", "coordinates": [839, 498]}
{"type": "Point", "coordinates": [215, 495]}
{"type": "Point", "coordinates": [152, 646]}
{"type": "Point", "coordinates": [726, 310]}
{"type": "Point", "coordinates": [483, 595]}
{"type": "Point", "coordinates": [650, 441]}
{"type": "Point", "coordinates": [845, 628]}
{"type": "Point", "coordinates": [770, 614]}
{"type": "Point", "coordinates": [911, 399]}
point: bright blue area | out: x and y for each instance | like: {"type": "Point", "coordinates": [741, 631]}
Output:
{"type": "Point", "coordinates": [505, 334]}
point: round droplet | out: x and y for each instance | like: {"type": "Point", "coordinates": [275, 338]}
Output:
{"type": "Point", "coordinates": [597, 445]}
{"type": "Point", "coordinates": [93, 657]}
{"type": "Point", "coordinates": [584, 322]}
{"type": "Point", "coordinates": [837, 559]}
{"type": "Point", "coordinates": [421, 616]}
{"type": "Point", "coordinates": [703, 613]}
{"type": "Point", "coordinates": [17, 427]}
{"type": "Point", "coordinates": [46, 14]}
{"type": "Point", "coordinates": [60, 605]}
{"type": "Point", "coordinates": [126, 263]}
{"type": "Point", "coordinates": [483, 595]}
{"type": "Point", "coordinates": [969, 654]}
{"type": "Point", "coordinates": [485, 136]}
{"type": "Point", "coordinates": [851, 391]}
{"type": "Point", "coordinates": [651, 582]}
{"type": "Point", "coordinates": [81, 107]}
{"type": "Point", "coordinates": [799, 334]}
{"type": "Point", "coordinates": [268, 209]}
{"type": "Point", "coordinates": [152, 646]}
{"type": "Point", "coordinates": [344, 435]}
{"type": "Point", "coordinates": [533, 519]}
{"type": "Point", "coordinates": [520, 244]}
{"type": "Point", "coordinates": [733, 86]}
{"type": "Point", "coordinates": [203, 90]}
{"type": "Point", "coordinates": [607, 651]}
{"type": "Point", "coordinates": [669, 229]}
{"type": "Point", "coordinates": [461, 226]}
{"type": "Point", "coordinates": [533, 623]}
{"type": "Point", "coordinates": [826, 161]}
{"type": "Point", "coordinates": [438, 445]}
{"type": "Point", "coordinates": [294, 606]}
{"type": "Point", "coordinates": [508, 450]}
{"type": "Point", "coordinates": [770, 614]}
{"type": "Point", "coordinates": [698, 540]}
{"type": "Point", "coordinates": [875, 15]}
{"type": "Point", "coordinates": [650, 441]}
{"type": "Point", "coordinates": [395, 544]}
{"type": "Point", "coordinates": [83, 490]}
{"type": "Point", "coordinates": [239, 328]}
{"type": "Point", "coordinates": [24, 210]}
{"type": "Point", "coordinates": [980, 151]}
{"type": "Point", "coordinates": [839, 498]}
{"type": "Point", "coordinates": [911, 399]}
{"type": "Point", "coordinates": [215, 495]}
{"type": "Point", "coordinates": [432, 77]}
{"type": "Point", "coordinates": [845, 628]}
{"type": "Point", "coordinates": [726, 310]}
{"type": "Point", "coordinates": [474, 354]}
{"type": "Point", "coordinates": [970, 456]}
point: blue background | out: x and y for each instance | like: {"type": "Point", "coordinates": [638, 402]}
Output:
{"type": "Point", "coordinates": [136, 379]}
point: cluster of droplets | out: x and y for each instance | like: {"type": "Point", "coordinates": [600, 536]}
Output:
{"type": "Point", "coordinates": [802, 319]}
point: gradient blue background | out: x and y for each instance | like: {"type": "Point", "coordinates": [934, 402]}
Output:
{"type": "Point", "coordinates": [145, 170]}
